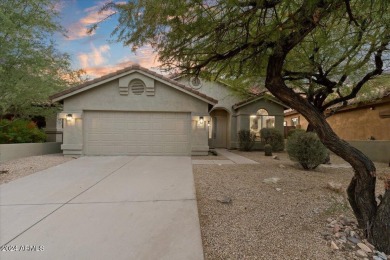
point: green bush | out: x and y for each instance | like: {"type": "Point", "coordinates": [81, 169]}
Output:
{"type": "Point", "coordinates": [267, 150]}
{"type": "Point", "coordinates": [307, 149]}
{"type": "Point", "coordinates": [20, 131]}
{"type": "Point", "coordinates": [246, 140]}
{"type": "Point", "coordinates": [297, 130]}
{"type": "Point", "coordinates": [272, 137]}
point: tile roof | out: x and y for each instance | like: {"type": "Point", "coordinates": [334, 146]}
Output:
{"type": "Point", "coordinates": [127, 69]}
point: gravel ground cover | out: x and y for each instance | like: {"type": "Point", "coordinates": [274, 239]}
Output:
{"type": "Point", "coordinates": [18, 168]}
{"type": "Point", "coordinates": [243, 217]}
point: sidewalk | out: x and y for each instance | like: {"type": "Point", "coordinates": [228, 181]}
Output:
{"type": "Point", "coordinates": [233, 159]}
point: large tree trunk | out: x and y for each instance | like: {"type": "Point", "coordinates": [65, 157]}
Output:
{"type": "Point", "coordinates": [373, 218]}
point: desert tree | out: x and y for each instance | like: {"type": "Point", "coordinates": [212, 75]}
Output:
{"type": "Point", "coordinates": [312, 55]}
{"type": "Point", "coordinates": [31, 68]}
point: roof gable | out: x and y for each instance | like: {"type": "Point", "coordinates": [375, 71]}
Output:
{"type": "Point", "coordinates": [262, 95]}
{"type": "Point", "coordinates": [124, 72]}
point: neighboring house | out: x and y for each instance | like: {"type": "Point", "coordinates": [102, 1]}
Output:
{"type": "Point", "coordinates": [357, 121]}
{"type": "Point", "coordinates": [135, 111]}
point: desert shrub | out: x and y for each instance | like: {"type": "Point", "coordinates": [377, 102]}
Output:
{"type": "Point", "coordinates": [307, 149]}
{"type": "Point", "coordinates": [297, 130]}
{"type": "Point", "coordinates": [20, 131]}
{"type": "Point", "coordinates": [272, 137]}
{"type": "Point", "coordinates": [246, 140]}
{"type": "Point", "coordinates": [267, 150]}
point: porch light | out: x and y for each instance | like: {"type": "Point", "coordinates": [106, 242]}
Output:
{"type": "Point", "coordinates": [69, 117]}
{"type": "Point", "coordinates": [201, 120]}
{"type": "Point", "coordinates": [208, 123]}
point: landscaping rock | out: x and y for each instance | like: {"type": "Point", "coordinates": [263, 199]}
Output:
{"type": "Point", "coordinates": [364, 247]}
{"type": "Point", "coordinates": [380, 255]}
{"type": "Point", "coordinates": [337, 187]}
{"type": "Point", "coordinates": [271, 180]}
{"type": "Point", "coordinates": [336, 228]}
{"type": "Point", "coordinates": [334, 246]}
{"type": "Point", "coordinates": [361, 253]}
{"type": "Point", "coordinates": [329, 220]}
{"type": "Point", "coordinates": [354, 240]}
{"type": "Point", "coordinates": [225, 200]}
{"type": "Point", "coordinates": [275, 157]}
{"type": "Point", "coordinates": [368, 244]}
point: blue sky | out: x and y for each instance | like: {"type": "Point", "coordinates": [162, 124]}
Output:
{"type": "Point", "coordinates": [97, 54]}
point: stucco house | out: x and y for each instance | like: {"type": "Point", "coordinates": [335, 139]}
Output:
{"type": "Point", "coordinates": [135, 111]}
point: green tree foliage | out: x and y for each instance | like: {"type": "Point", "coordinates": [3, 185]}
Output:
{"type": "Point", "coordinates": [31, 68]}
{"type": "Point", "coordinates": [313, 54]}
{"type": "Point", "coordinates": [20, 131]}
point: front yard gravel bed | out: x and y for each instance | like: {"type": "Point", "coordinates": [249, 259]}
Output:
{"type": "Point", "coordinates": [18, 168]}
{"type": "Point", "coordinates": [243, 217]}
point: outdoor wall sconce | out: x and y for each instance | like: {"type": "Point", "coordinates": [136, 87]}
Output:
{"type": "Point", "coordinates": [69, 117]}
{"type": "Point", "coordinates": [201, 120]}
{"type": "Point", "coordinates": [208, 123]}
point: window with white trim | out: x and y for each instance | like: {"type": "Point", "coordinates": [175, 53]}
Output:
{"type": "Point", "coordinates": [259, 121]}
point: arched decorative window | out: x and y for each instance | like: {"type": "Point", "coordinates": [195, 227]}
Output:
{"type": "Point", "coordinates": [259, 121]}
{"type": "Point", "coordinates": [137, 86]}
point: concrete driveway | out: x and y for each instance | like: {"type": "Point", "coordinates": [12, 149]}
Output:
{"type": "Point", "coordinates": [140, 207]}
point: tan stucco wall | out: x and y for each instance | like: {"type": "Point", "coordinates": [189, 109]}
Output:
{"type": "Point", "coordinates": [302, 121]}
{"type": "Point", "coordinates": [14, 151]}
{"type": "Point", "coordinates": [237, 119]}
{"type": "Point", "coordinates": [362, 123]}
{"type": "Point", "coordinates": [356, 124]}
{"type": "Point", "coordinates": [226, 98]}
{"type": "Point", "coordinates": [107, 97]}
{"type": "Point", "coordinates": [378, 151]}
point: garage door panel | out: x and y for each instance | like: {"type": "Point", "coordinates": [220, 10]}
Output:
{"type": "Point", "coordinates": [136, 133]}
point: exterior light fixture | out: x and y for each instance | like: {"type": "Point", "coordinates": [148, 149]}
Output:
{"type": "Point", "coordinates": [201, 120]}
{"type": "Point", "coordinates": [208, 123]}
{"type": "Point", "coordinates": [69, 117]}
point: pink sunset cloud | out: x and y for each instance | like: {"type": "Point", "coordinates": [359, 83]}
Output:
{"type": "Point", "coordinates": [79, 29]}
{"type": "Point", "coordinates": [145, 57]}
{"type": "Point", "coordinates": [94, 58]}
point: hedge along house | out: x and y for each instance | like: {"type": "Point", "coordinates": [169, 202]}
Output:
{"type": "Point", "coordinates": [232, 114]}
{"type": "Point", "coordinates": [134, 111]}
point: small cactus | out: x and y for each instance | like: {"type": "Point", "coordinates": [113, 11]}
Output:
{"type": "Point", "coordinates": [267, 150]}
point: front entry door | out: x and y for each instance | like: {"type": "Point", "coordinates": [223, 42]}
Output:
{"type": "Point", "coordinates": [219, 136]}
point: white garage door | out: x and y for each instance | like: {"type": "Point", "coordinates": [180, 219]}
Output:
{"type": "Point", "coordinates": [136, 133]}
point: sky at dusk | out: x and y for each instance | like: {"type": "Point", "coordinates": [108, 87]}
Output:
{"type": "Point", "coordinates": [98, 54]}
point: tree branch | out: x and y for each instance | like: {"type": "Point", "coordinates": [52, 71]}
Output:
{"type": "Point", "coordinates": [377, 71]}
{"type": "Point", "coordinates": [349, 12]}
